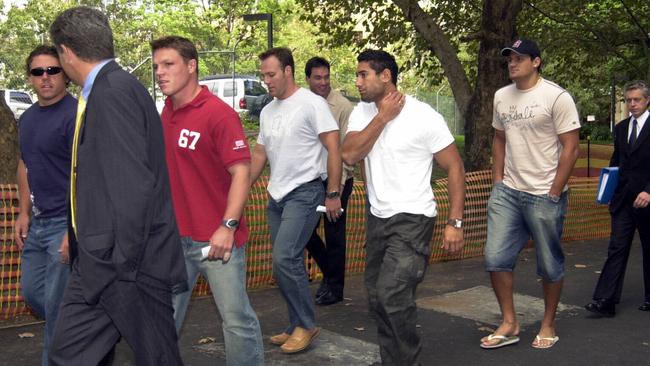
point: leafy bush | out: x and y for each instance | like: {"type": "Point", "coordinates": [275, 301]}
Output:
{"type": "Point", "coordinates": [249, 123]}
{"type": "Point", "coordinates": [600, 133]}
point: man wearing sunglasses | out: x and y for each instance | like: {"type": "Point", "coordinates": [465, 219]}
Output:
{"type": "Point", "coordinates": [46, 130]}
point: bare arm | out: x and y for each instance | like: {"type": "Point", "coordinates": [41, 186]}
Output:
{"type": "Point", "coordinates": [498, 155]}
{"type": "Point", "coordinates": [570, 149]}
{"type": "Point", "coordinates": [358, 144]}
{"type": "Point", "coordinates": [331, 142]}
{"type": "Point", "coordinates": [449, 160]}
{"type": "Point", "coordinates": [64, 248]}
{"type": "Point", "coordinates": [21, 225]}
{"type": "Point", "coordinates": [223, 238]}
{"type": "Point", "coordinates": [258, 162]}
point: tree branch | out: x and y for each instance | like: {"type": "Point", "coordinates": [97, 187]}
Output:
{"type": "Point", "coordinates": [442, 48]}
{"type": "Point", "coordinates": [636, 22]}
{"type": "Point", "coordinates": [583, 27]}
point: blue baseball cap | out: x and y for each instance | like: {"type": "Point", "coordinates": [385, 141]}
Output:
{"type": "Point", "coordinates": [522, 46]}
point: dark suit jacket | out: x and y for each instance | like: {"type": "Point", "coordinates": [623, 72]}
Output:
{"type": "Point", "coordinates": [125, 221]}
{"type": "Point", "coordinates": [633, 163]}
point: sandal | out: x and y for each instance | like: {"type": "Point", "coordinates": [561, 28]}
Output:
{"type": "Point", "coordinates": [538, 339]}
{"type": "Point", "coordinates": [502, 341]}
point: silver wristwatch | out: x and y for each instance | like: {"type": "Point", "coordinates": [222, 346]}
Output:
{"type": "Point", "coordinates": [230, 223]}
{"type": "Point", "coordinates": [455, 223]}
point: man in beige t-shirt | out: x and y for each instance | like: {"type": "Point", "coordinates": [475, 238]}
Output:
{"type": "Point", "coordinates": [330, 256]}
{"type": "Point", "coordinates": [534, 150]}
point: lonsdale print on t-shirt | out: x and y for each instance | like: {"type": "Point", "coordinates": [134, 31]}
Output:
{"type": "Point", "coordinates": [518, 117]}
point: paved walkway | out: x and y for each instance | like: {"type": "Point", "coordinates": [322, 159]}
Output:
{"type": "Point", "coordinates": [457, 307]}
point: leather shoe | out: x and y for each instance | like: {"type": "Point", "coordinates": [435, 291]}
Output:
{"type": "Point", "coordinates": [329, 298]}
{"type": "Point", "coordinates": [300, 339]}
{"type": "Point", "coordinates": [279, 339]}
{"type": "Point", "coordinates": [602, 308]}
{"type": "Point", "coordinates": [322, 289]}
{"type": "Point", "coordinates": [645, 306]}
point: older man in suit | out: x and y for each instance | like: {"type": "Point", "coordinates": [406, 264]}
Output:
{"type": "Point", "coordinates": [629, 205]}
{"type": "Point", "coordinates": [125, 247]}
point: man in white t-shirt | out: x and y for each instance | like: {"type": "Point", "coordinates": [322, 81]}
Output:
{"type": "Point", "coordinates": [534, 149]}
{"type": "Point", "coordinates": [398, 138]}
{"type": "Point", "coordinates": [300, 139]}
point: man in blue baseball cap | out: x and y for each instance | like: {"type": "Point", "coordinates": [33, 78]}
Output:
{"type": "Point", "coordinates": [534, 149]}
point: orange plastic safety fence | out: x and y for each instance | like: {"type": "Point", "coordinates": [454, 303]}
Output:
{"type": "Point", "coordinates": [585, 220]}
{"type": "Point", "coordinates": [11, 300]}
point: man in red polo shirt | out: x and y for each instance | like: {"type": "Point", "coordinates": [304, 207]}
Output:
{"type": "Point", "coordinates": [209, 165]}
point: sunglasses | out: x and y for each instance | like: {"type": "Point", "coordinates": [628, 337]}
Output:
{"type": "Point", "coordinates": [50, 70]}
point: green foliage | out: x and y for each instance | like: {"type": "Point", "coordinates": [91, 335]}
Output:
{"type": "Point", "coordinates": [250, 125]}
{"type": "Point", "coordinates": [212, 25]}
{"type": "Point", "coordinates": [596, 132]}
{"type": "Point", "coordinates": [360, 24]}
{"type": "Point", "coordinates": [587, 43]}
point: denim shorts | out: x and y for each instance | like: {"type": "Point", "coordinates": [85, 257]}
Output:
{"type": "Point", "coordinates": [513, 218]}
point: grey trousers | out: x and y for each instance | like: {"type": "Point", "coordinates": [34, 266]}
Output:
{"type": "Point", "coordinates": [397, 254]}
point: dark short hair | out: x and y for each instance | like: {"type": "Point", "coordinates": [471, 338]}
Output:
{"type": "Point", "coordinates": [315, 62]}
{"type": "Point", "coordinates": [38, 51]}
{"type": "Point", "coordinates": [183, 46]}
{"type": "Point", "coordinates": [379, 61]}
{"type": "Point", "coordinates": [637, 85]}
{"type": "Point", "coordinates": [85, 31]}
{"type": "Point", "coordinates": [283, 55]}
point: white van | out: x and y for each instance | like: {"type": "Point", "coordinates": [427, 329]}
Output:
{"type": "Point", "coordinates": [237, 91]}
{"type": "Point", "coordinates": [17, 100]}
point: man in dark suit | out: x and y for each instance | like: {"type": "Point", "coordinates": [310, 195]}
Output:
{"type": "Point", "coordinates": [629, 205]}
{"type": "Point", "coordinates": [125, 247]}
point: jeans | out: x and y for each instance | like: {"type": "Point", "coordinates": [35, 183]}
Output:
{"type": "Point", "coordinates": [43, 275]}
{"type": "Point", "coordinates": [514, 217]}
{"type": "Point", "coordinates": [241, 328]}
{"type": "Point", "coordinates": [397, 255]}
{"type": "Point", "coordinates": [330, 257]}
{"type": "Point", "coordinates": [291, 222]}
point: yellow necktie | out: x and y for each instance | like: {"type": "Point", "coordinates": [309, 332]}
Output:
{"type": "Point", "coordinates": [81, 108]}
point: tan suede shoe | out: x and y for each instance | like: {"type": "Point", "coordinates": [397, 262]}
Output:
{"type": "Point", "coordinates": [279, 339]}
{"type": "Point", "coordinates": [300, 339]}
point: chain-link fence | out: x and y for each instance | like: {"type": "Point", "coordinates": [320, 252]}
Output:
{"type": "Point", "coordinates": [444, 105]}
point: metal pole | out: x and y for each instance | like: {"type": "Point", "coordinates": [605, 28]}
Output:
{"type": "Point", "coordinates": [234, 87]}
{"type": "Point", "coordinates": [455, 120]}
{"type": "Point", "coordinates": [153, 74]}
{"type": "Point", "coordinates": [437, 95]}
{"type": "Point", "coordinates": [613, 101]}
{"type": "Point", "coordinates": [269, 30]}
{"type": "Point", "coordinates": [269, 24]}
{"type": "Point", "coordinates": [588, 155]}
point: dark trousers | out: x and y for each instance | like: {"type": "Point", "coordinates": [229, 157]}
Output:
{"type": "Point", "coordinates": [330, 256]}
{"type": "Point", "coordinates": [625, 222]}
{"type": "Point", "coordinates": [397, 255]}
{"type": "Point", "coordinates": [139, 311]}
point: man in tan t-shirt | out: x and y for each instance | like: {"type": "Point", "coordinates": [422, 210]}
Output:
{"type": "Point", "coordinates": [330, 257]}
{"type": "Point", "coordinates": [534, 150]}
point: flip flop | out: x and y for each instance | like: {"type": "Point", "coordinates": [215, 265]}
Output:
{"type": "Point", "coordinates": [502, 341]}
{"type": "Point", "coordinates": [553, 340]}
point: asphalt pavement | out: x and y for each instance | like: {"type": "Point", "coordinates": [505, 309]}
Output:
{"type": "Point", "coordinates": [456, 308]}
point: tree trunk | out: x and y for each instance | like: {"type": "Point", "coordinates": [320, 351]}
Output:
{"type": "Point", "coordinates": [442, 48]}
{"type": "Point", "coordinates": [498, 28]}
{"type": "Point", "coordinates": [8, 144]}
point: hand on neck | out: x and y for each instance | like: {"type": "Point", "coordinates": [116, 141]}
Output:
{"type": "Point", "coordinates": [389, 89]}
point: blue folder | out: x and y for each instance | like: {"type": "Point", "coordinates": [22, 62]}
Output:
{"type": "Point", "coordinates": [607, 184]}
